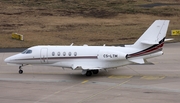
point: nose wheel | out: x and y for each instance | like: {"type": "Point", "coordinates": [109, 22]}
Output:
{"type": "Point", "coordinates": [20, 70]}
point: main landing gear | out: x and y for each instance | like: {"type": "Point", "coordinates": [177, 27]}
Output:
{"type": "Point", "coordinates": [20, 70]}
{"type": "Point", "coordinates": [90, 72]}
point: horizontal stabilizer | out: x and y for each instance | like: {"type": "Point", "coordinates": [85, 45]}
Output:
{"type": "Point", "coordinates": [137, 60]}
{"type": "Point", "coordinates": [149, 42]}
{"type": "Point", "coordinates": [169, 39]}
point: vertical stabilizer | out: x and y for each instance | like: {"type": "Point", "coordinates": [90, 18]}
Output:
{"type": "Point", "coordinates": [150, 43]}
{"type": "Point", "coordinates": [153, 35]}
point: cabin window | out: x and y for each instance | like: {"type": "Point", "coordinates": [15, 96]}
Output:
{"type": "Point", "coordinates": [69, 53]}
{"type": "Point", "coordinates": [75, 53]}
{"type": "Point", "coordinates": [64, 53]}
{"type": "Point", "coordinates": [58, 53]}
{"type": "Point", "coordinates": [53, 53]}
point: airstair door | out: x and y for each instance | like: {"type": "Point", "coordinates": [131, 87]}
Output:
{"type": "Point", "coordinates": [44, 55]}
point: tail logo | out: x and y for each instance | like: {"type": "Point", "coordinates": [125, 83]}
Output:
{"type": "Point", "coordinates": [150, 50]}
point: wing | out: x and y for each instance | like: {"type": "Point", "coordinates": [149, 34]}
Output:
{"type": "Point", "coordinates": [84, 67]}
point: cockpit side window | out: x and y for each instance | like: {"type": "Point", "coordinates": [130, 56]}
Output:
{"type": "Point", "coordinates": [27, 52]}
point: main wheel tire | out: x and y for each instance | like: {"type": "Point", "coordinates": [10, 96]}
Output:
{"type": "Point", "coordinates": [95, 71]}
{"type": "Point", "coordinates": [88, 73]}
{"type": "Point", "coordinates": [20, 71]}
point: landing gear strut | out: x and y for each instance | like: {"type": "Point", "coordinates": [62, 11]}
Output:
{"type": "Point", "coordinates": [95, 71]}
{"type": "Point", "coordinates": [90, 72]}
{"type": "Point", "coordinates": [20, 70]}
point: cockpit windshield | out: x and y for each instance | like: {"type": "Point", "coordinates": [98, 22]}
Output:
{"type": "Point", "coordinates": [27, 51]}
{"type": "Point", "coordinates": [24, 51]}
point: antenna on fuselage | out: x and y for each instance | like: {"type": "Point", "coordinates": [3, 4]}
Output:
{"type": "Point", "coordinates": [71, 44]}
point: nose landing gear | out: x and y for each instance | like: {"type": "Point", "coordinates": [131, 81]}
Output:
{"type": "Point", "coordinates": [20, 70]}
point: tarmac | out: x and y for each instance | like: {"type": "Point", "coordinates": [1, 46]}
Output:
{"type": "Point", "coordinates": [158, 83]}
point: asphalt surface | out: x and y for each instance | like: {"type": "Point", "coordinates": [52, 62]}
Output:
{"type": "Point", "coordinates": [5, 50]}
{"type": "Point", "coordinates": [158, 83]}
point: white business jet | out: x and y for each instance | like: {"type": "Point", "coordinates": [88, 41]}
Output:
{"type": "Point", "coordinates": [91, 59]}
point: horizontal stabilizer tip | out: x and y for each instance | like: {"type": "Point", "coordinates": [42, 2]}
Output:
{"type": "Point", "coordinates": [169, 39]}
{"type": "Point", "coordinates": [139, 60]}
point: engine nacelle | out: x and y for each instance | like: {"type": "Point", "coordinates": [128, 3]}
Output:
{"type": "Point", "coordinates": [111, 55]}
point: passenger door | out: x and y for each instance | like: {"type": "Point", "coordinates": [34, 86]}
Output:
{"type": "Point", "coordinates": [44, 56]}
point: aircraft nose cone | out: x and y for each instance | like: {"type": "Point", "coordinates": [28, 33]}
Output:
{"type": "Point", "coordinates": [7, 60]}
